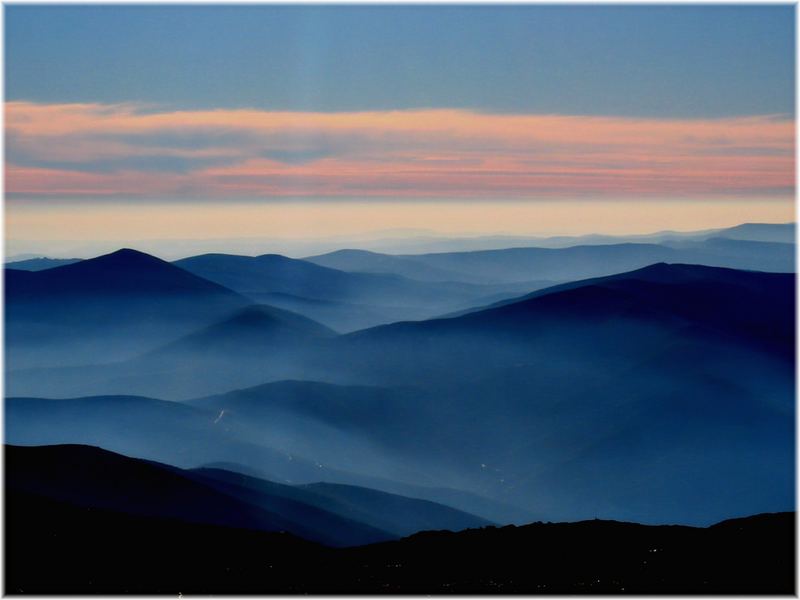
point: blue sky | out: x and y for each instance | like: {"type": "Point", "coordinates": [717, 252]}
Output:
{"type": "Point", "coordinates": [356, 116]}
{"type": "Point", "coordinates": [649, 61]}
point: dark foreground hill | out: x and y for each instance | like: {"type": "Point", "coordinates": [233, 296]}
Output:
{"type": "Point", "coordinates": [334, 515]}
{"type": "Point", "coordinates": [268, 432]}
{"type": "Point", "coordinates": [56, 547]}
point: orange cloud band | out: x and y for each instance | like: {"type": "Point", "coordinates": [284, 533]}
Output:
{"type": "Point", "coordinates": [128, 150]}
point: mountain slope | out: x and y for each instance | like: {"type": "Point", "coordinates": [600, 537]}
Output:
{"type": "Point", "coordinates": [392, 513]}
{"type": "Point", "coordinates": [125, 271]}
{"type": "Point", "coordinates": [364, 261]}
{"type": "Point", "coordinates": [330, 514]}
{"type": "Point", "coordinates": [273, 273]}
{"type": "Point", "coordinates": [254, 344]}
{"type": "Point", "coordinates": [250, 330]}
{"type": "Point", "coordinates": [673, 362]}
{"type": "Point", "coordinates": [106, 308]}
{"type": "Point", "coordinates": [169, 432]}
{"type": "Point", "coordinates": [338, 404]}
{"type": "Point", "coordinates": [758, 307]}
{"type": "Point", "coordinates": [351, 299]}
{"type": "Point", "coordinates": [274, 444]}
{"type": "Point", "coordinates": [94, 478]}
{"type": "Point", "coordinates": [344, 317]}
{"type": "Point", "coordinates": [397, 514]}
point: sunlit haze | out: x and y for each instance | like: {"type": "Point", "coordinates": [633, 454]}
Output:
{"type": "Point", "coordinates": [35, 228]}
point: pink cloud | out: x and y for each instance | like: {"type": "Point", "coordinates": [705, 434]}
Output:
{"type": "Point", "coordinates": [92, 149]}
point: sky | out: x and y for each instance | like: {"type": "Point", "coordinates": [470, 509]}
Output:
{"type": "Point", "coordinates": [489, 118]}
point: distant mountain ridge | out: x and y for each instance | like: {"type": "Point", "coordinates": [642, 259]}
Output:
{"type": "Point", "coordinates": [761, 232]}
{"type": "Point", "coordinates": [341, 299]}
{"type": "Point", "coordinates": [425, 242]}
{"type": "Point", "coordinates": [40, 264]}
{"type": "Point", "coordinates": [373, 262]}
{"type": "Point", "coordinates": [570, 263]}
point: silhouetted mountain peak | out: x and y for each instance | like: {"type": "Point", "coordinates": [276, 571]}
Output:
{"type": "Point", "coordinates": [275, 257]}
{"type": "Point", "coordinates": [655, 267]}
{"type": "Point", "coordinates": [663, 272]}
{"type": "Point", "coordinates": [675, 271]}
{"type": "Point", "coordinates": [129, 254]}
{"type": "Point", "coordinates": [352, 252]}
{"type": "Point", "coordinates": [124, 258]}
{"type": "Point", "coordinates": [125, 271]}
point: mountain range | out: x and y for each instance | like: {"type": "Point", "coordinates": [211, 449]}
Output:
{"type": "Point", "coordinates": [592, 384]}
{"type": "Point", "coordinates": [576, 415]}
{"type": "Point", "coordinates": [52, 325]}
{"type": "Point", "coordinates": [398, 241]}
{"type": "Point", "coordinates": [514, 265]}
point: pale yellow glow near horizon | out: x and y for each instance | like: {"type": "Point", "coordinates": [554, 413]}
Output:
{"type": "Point", "coordinates": [317, 219]}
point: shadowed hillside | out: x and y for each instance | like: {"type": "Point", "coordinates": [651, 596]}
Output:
{"type": "Point", "coordinates": [92, 478]}
{"type": "Point", "coordinates": [102, 551]}
{"type": "Point", "coordinates": [105, 308]}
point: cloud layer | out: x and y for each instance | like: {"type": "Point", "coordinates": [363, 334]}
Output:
{"type": "Point", "coordinates": [94, 150]}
